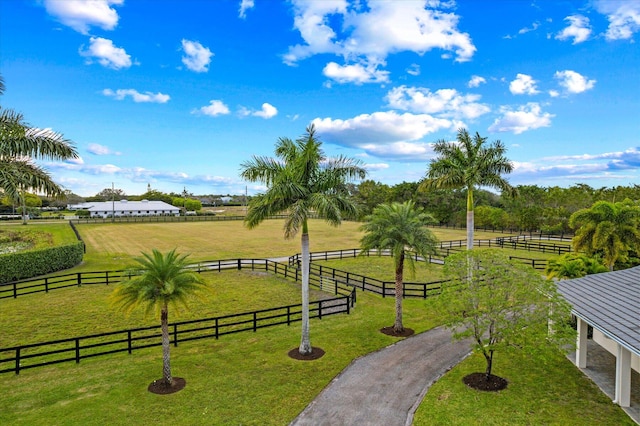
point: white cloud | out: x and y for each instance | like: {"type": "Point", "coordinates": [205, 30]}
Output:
{"type": "Point", "coordinates": [379, 128]}
{"type": "Point", "coordinates": [578, 29]}
{"type": "Point", "coordinates": [120, 94]}
{"type": "Point", "coordinates": [244, 6]}
{"type": "Point", "coordinates": [444, 102]}
{"type": "Point", "coordinates": [525, 30]}
{"type": "Point", "coordinates": [376, 166]}
{"type": "Point", "coordinates": [366, 33]}
{"type": "Point", "coordinates": [215, 108]}
{"type": "Point", "coordinates": [476, 81]}
{"type": "Point", "coordinates": [523, 84]}
{"type": "Point", "coordinates": [81, 15]}
{"type": "Point", "coordinates": [526, 117]}
{"type": "Point", "coordinates": [401, 151]}
{"type": "Point", "coordinates": [623, 16]}
{"type": "Point", "coordinates": [197, 57]}
{"type": "Point", "coordinates": [97, 149]}
{"type": "Point", "coordinates": [414, 69]}
{"type": "Point", "coordinates": [267, 111]}
{"type": "Point", "coordinates": [106, 53]}
{"type": "Point", "coordinates": [574, 82]}
{"type": "Point", "coordinates": [554, 93]}
{"type": "Point", "coordinates": [357, 73]}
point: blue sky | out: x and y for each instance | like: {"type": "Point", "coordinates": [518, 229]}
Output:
{"type": "Point", "coordinates": [179, 93]}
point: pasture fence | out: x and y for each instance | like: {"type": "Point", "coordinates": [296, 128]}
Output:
{"type": "Point", "coordinates": [81, 347]}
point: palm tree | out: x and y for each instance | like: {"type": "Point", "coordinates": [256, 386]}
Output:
{"type": "Point", "coordinates": [160, 280]}
{"type": "Point", "coordinates": [20, 144]}
{"type": "Point", "coordinates": [468, 164]}
{"type": "Point", "coordinates": [399, 228]}
{"type": "Point", "coordinates": [609, 228]}
{"type": "Point", "coordinates": [573, 265]}
{"type": "Point", "coordinates": [301, 181]}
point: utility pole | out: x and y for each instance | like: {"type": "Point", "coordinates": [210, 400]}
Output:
{"type": "Point", "coordinates": [113, 203]}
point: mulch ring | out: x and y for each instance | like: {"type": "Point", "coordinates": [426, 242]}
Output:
{"type": "Point", "coordinates": [315, 354]}
{"type": "Point", "coordinates": [161, 387]}
{"type": "Point", "coordinates": [389, 331]}
{"type": "Point", "coordinates": [479, 381]}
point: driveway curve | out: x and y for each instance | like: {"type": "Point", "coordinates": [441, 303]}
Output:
{"type": "Point", "coordinates": [386, 387]}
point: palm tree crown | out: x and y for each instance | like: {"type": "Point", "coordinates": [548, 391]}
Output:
{"type": "Point", "coordinates": [467, 164]}
{"type": "Point", "coordinates": [19, 145]}
{"type": "Point", "coordinates": [399, 228]}
{"type": "Point", "coordinates": [301, 181]}
{"type": "Point", "coordinates": [609, 228]}
{"type": "Point", "coordinates": [160, 281]}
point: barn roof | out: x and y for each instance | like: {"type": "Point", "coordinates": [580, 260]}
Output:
{"type": "Point", "coordinates": [610, 302]}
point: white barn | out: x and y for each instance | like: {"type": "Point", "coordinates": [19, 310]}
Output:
{"type": "Point", "coordinates": [610, 303]}
{"type": "Point", "coordinates": [124, 208]}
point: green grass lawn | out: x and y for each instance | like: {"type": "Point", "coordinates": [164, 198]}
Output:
{"type": "Point", "coordinates": [551, 393]}
{"type": "Point", "coordinates": [382, 268]}
{"type": "Point", "coordinates": [247, 378]}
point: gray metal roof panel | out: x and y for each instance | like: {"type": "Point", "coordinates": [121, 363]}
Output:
{"type": "Point", "coordinates": [610, 302]}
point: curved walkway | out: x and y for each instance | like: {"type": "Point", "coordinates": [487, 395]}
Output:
{"type": "Point", "coordinates": [387, 386]}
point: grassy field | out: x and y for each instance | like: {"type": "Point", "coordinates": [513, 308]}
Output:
{"type": "Point", "coordinates": [247, 378]}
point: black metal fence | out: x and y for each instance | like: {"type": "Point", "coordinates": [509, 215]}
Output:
{"type": "Point", "coordinates": [17, 358]}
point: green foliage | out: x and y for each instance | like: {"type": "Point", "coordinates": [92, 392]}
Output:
{"type": "Point", "coordinates": [501, 304]}
{"type": "Point", "coordinates": [574, 265]}
{"type": "Point", "coordinates": [27, 264]}
{"type": "Point", "coordinates": [83, 213]}
{"type": "Point", "coordinates": [398, 228]}
{"type": "Point", "coordinates": [192, 205]}
{"type": "Point", "coordinates": [468, 164]}
{"type": "Point", "coordinates": [177, 201]}
{"type": "Point", "coordinates": [609, 229]}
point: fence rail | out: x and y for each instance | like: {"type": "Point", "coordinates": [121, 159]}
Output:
{"type": "Point", "coordinates": [18, 358]}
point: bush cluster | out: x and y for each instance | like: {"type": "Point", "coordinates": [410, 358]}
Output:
{"type": "Point", "coordinates": [27, 264]}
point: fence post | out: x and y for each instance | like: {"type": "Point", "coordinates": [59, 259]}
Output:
{"type": "Point", "coordinates": [335, 283]}
{"type": "Point", "coordinates": [320, 309]}
{"type": "Point", "coordinates": [15, 290]}
{"type": "Point", "coordinates": [106, 277]}
{"type": "Point", "coordinates": [217, 329]}
{"type": "Point", "coordinates": [46, 285]}
{"type": "Point", "coordinates": [255, 322]}
{"type": "Point", "coordinates": [288, 315]}
{"type": "Point", "coordinates": [17, 361]}
{"type": "Point", "coordinates": [239, 265]}
{"type": "Point", "coordinates": [129, 341]}
{"type": "Point", "coordinates": [79, 279]}
{"type": "Point", "coordinates": [77, 350]}
{"type": "Point", "coordinates": [175, 335]}
{"type": "Point", "coordinates": [384, 289]}
{"type": "Point", "coordinates": [348, 300]}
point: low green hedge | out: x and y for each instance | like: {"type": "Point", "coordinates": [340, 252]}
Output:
{"type": "Point", "coordinates": [27, 264]}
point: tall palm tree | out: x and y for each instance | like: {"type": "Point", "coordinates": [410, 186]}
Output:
{"type": "Point", "coordinates": [467, 164]}
{"type": "Point", "coordinates": [160, 280]}
{"type": "Point", "coordinates": [301, 181]}
{"type": "Point", "coordinates": [610, 228]}
{"type": "Point", "coordinates": [399, 228]}
{"type": "Point", "coordinates": [20, 144]}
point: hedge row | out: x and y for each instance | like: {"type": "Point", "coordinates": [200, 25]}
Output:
{"type": "Point", "coordinates": [27, 264]}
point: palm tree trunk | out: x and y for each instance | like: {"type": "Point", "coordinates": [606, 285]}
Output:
{"type": "Point", "coordinates": [166, 345]}
{"type": "Point", "coordinates": [305, 344]}
{"type": "Point", "coordinates": [397, 326]}
{"type": "Point", "coordinates": [24, 208]}
{"type": "Point", "coordinates": [470, 218]}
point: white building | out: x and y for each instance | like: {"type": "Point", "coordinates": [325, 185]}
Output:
{"type": "Point", "coordinates": [128, 208]}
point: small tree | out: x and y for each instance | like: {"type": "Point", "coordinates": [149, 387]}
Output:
{"type": "Point", "coordinates": [501, 304]}
{"type": "Point", "coordinates": [192, 205]}
{"type": "Point", "coordinates": [160, 280]}
{"type": "Point", "coordinates": [399, 228]}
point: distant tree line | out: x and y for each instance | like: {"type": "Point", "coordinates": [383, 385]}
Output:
{"type": "Point", "coordinates": [537, 208]}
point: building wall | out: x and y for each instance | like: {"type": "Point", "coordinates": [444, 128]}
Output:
{"type": "Point", "coordinates": [120, 213]}
{"type": "Point", "coordinates": [612, 347]}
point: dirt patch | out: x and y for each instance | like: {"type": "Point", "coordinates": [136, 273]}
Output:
{"type": "Point", "coordinates": [161, 387]}
{"type": "Point", "coordinates": [480, 381]}
{"type": "Point", "coordinates": [315, 354]}
{"type": "Point", "coordinates": [389, 331]}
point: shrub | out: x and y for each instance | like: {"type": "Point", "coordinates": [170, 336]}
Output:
{"type": "Point", "coordinates": [27, 264]}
